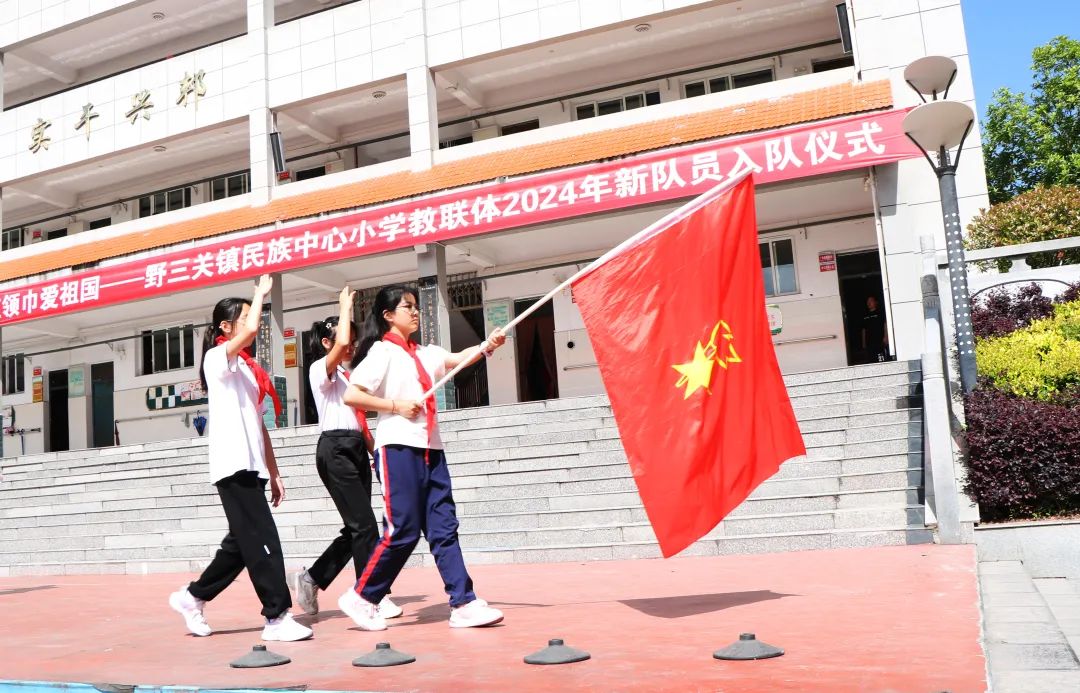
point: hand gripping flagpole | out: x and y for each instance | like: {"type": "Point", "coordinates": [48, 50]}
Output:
{"type": "Point", "coordinates": [649, 231]}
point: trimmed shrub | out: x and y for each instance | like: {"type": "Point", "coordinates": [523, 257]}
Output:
{"type": "Point", "coordinates": [1041, 361]}
{"type": "Point", "coordinates": [1024, 456]}
{"type": "Point", "coordinates": [1002, 311]}
{"type": "Point", "coordinates": [1041, 214]}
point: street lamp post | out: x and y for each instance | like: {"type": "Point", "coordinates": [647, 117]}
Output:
{"type": "Point", "coordinates": [939, 126]}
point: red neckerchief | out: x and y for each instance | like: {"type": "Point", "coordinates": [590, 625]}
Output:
{"type": "Point", "coordinates": [265, 386]}
{"type": "Point", "coordinates": [361, 417]}
{"type": "Point", "coordinates": [425, 379]}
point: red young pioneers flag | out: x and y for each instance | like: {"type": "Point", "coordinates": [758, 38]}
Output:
{"type": "Point", "coordinates": [676, 316]}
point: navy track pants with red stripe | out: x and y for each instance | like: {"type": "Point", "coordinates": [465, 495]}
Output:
{"type": "Point", "coordinates": [417, 500]}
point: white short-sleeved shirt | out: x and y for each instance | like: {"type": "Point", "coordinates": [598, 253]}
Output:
{"type": "Point", "coordinates": [329, 395]}
{"type": "Point", "coordinates": [235, 438]}
{"type": "Point", "coordinates": [388, 371]}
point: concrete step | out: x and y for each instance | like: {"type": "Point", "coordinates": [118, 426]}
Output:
{"type": "Point", "coordinates": [769, 543]}
{"type": "Point", "coordinates": [192, 543]}
{"type": "Point", "coordinates": [137, 466]}
{"type": "Point", "coordinates": [301, 553]}
{"type": "Point", "coordinates": [767, 500]}
{"type": "Point", "coordinates": [141, 566]}
{"type": "Point", "coordinates": [493, 479]}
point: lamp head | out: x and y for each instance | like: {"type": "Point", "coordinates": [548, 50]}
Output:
{"type": "Point", "coordinates": [931, 75]}
{"type": "Point", "coordinates": [939, 124]}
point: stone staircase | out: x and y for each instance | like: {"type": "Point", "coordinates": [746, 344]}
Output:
{"type": "Point", "coordinates": [534, 482]}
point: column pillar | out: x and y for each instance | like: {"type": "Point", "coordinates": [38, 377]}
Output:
{"type": "Point", "coordinates": [435, 307]}
{"type": "Point", "coordinates": [1, 81]}
{"type": "Point", "coordinates": [260, 20]}
{"type": "Point", "coordinates": [277, 346]}
{"type": "Point", "coordinates": [420, 88]}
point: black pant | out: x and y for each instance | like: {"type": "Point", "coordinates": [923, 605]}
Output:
{"type": "Point", "coordinates": [252, 543]}
{"type": "Point", "coordinates": [341, 459]}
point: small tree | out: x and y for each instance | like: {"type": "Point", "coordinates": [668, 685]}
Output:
{"type": "Point", "coordinates": [1032, 141]}
{"type": "Point", "coordinates": [1041, 214]}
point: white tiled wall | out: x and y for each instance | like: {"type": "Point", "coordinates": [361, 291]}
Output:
{"type": "Point", "coordinates": [226, 82]}
{"type": "Point", "coordinates": [337, 49]}
{"type": "Point", "coordinates": [23, 19]}
{"type": "Point", "coordinates": [460, 29]}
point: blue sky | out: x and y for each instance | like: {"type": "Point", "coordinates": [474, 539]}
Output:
{"type": "Point", "coordinates": [1001, 35]}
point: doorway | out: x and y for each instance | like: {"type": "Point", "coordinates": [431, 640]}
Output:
{"type": "Point", "coordinates": [101, 405]}
{"type": "Point", "coordinates": [535, 349]}
{"type": "Point", "coordinates": [309, 415]}
{"type": "Point", "coordinates": [859, 276]}
{"type": "Point", "coordinates": [58, 411]}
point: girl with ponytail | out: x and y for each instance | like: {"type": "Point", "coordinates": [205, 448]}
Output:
{"type": "Point", "coordinates": [241, 462]}
{"type": "Point", "coordinates": [391, 376]}
{"type": "Point", "coordinates": [341, 458]}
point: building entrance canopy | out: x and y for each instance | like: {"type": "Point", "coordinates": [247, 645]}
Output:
{"type": "Point", "coordinates": [807, 150]}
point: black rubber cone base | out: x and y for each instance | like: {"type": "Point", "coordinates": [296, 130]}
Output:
{"type": "Point", "coordinates": [383, 656]}
{"type": "Point", "coordinates": [557, 653]}
{"type": "Point", "coordinates": [259, 657]}
{"type": "Point", "coordinates": [748, 647]}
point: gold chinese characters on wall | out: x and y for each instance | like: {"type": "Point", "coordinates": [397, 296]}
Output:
{"type": "Point", "coordinates": [192, 88]}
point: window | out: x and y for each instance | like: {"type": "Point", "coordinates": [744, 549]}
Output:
{"type": "Point", "coordinates": [310, 173]}
{"type": "Point", "coordinates": [623, 103]}
{"type": "Point", "coordinates": [833, 63]}
{"type": "Point", "coordinates": [706, 86]}
{"type": "Point", "coordinates": [101, 223]}
{"type": "Point", "coordinates": [167, 201]}
{"type": "Point", "coordinates": [13, 372]}
{"type": "Point", "coordinates": [778, 267]}
{"type": "Point", "coordinates": [715, 85]}
{"type": "Point", "coordinates": [455, 142]}
{"type": "Point", "coordinates": [168, 349]}
{"type": "Point", "coordinates": [520, 127]}
{"type": "Point", "coordinates": [56, 233]}
{"type": "Point", "coordinates": [749, 79]}
{"type": "Point", "coordinates": [13, 238]}
{"type": "Point", "coordinates": [229, 186]}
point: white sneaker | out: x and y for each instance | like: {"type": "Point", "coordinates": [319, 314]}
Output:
{"type": "Point", "coordinates": [388, 609]}
{"type": "Point", "coordinates": [285, 629]}
{"type": "Point", "coordinates": [307, 592]}
{"type": "Point", "coordinates": [474, 614]}
{"type": "Point", "coordinates": [192, 610]}
{"type": "Point", "coordinates": [362, 612]}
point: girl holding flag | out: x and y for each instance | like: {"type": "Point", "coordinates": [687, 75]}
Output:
{"type": "Point", "coordinates": [241, 462]}
{"type": "Point", "coordinates": [392, 376]}
{"type": "Point", "coordinates": [341, 458]}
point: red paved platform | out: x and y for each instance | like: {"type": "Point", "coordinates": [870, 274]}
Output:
{"type": "Point", "coordinates": [874, 620]}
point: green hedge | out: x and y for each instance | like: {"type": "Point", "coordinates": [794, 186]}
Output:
{"type": "Point", "coordinates": [1041, 361]}
{"type": "Point", "coordinates": [1041, 214]}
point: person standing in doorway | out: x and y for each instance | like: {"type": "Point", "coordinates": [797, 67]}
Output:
{"type": "Point", "coordinates": [341, 458]}
{"type": "Point", "coordinates": [391, 378]}
{"type": "Point", "coordinates": [241, 463]}
{"type": "Point", "coordinates": [875, 338]}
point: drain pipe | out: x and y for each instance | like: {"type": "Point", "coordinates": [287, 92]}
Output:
{"type": "Point", "coordinates": [886, 289]}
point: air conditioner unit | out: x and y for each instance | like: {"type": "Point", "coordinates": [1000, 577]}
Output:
{"type": "Point", "coordinates": [488, 133]}
{"type": "Point", "coordinates": [334, 166]}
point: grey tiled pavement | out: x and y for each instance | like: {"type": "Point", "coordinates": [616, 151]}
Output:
{"type": "Point", "coordinates": [1031, 629]}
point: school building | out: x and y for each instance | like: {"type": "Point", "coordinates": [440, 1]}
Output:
{"type": "Point", "coordinates": [157, 155]}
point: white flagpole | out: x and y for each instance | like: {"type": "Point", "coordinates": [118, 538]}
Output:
{"type": "Point", "coordinates": [668, 219]}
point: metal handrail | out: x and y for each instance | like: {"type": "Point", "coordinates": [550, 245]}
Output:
{"type": "Point", "coordinates": [1020, 249]}
{"type": "Point", "coordinates": [801, 340]}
